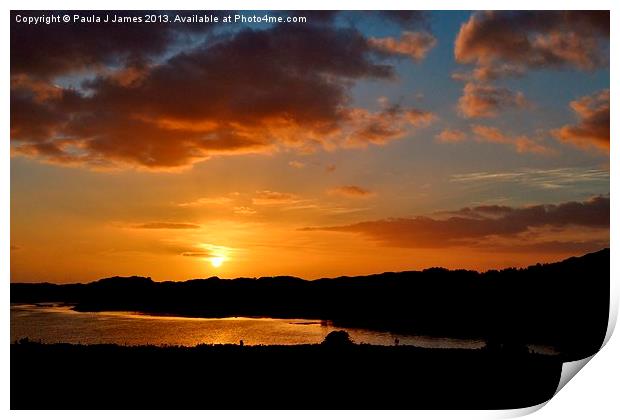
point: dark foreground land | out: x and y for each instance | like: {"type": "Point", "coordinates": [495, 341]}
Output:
{"type": "Point", "coordinates": [63, 376]}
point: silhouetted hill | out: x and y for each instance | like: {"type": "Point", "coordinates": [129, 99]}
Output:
{"type": "Point", "coordinates": [564, 304]}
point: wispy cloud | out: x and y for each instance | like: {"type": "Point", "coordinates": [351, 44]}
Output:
{"type": "Point", "coordinates": [205, 201]}
{"type": "Point", "coordinates": [540, 178]}
{"type": "Point", "coordinates": [244, 210]}
{"type": "Point", "coordinates": [198, 254]}
{"type": "Point", "coordinates": [268, 197]}
{"type": "Point", "coordinates": [414, 45]}
{"type": "Point", "coordinates": [167, 225]}
{"type": "Point", "coordinates": [353, 191]}
{"type": "Point", "coordinates": [296, 164]}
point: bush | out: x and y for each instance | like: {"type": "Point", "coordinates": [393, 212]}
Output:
{"type": "Point", "coordinates": [337, 338]}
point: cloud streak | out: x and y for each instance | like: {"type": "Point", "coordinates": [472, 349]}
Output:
{"type": "Point", "coordinates": [557, 178]}
{"type": "Point", "coordinates": [352, 191]}
{"type": "Point", "coordinates": [473, 226]}
{"type": "Point", "coordinates": [167, 225]}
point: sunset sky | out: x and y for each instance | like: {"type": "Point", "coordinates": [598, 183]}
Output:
{"type": "Point", "coordinates": [355, 143]}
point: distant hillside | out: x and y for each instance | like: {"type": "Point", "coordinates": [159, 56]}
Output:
{"type": "Point", "coordinates": [565, 304]}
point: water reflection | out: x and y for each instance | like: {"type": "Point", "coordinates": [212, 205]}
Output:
{"type": "Point", "coordinates": [57, 323]}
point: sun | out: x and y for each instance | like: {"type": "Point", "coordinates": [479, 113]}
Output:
{"type": "Point", "coordinates": [216, 261]}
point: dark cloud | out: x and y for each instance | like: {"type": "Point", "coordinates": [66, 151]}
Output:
{"type": "Point", "coordinates": [480, 212]}
{"type": "Point", "coordinates": [353, 191]}
{"type": "Point", "coordinates": [553, 247]}
{"type": "Point", "coordinates": [502, 43]}
{"type": "Point", "coordinates": [248, 92]}
{"type": "Point", "coordinates": [592, 130]}
{"type": "Point", "coordinates": [471, 226]}
{"type": "Point", "coordinates": [43, 51]}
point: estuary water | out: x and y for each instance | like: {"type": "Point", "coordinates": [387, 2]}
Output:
{"type": "Point", "coordinates": [54, 323]}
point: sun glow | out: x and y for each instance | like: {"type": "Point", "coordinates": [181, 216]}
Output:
{"type": "Point", "coordinates": [216, 261]}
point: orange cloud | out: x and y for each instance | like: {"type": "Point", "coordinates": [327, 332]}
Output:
{"type": "Point", "coordinates": [592, 131]}
{"type": "Point", "coordinates": [353, 191]}
{"type": "Point", "coordinates": [497, 71]}
{"type": "Point", "coordinates": [451, 136]}
{"type": "Point", "coordinates": [411, 44]}
{"type": "Point", "coordinates": [490, 134]}
{"type": "Point", "coordinates": [522, 144]}
{"type": "Point", "coordinates": [391, 123]}
{"type": "Point", "coordinates": [484, 101]}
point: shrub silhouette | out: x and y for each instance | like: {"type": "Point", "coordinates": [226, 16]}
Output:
{"type": "Point", "coordinates": [337, 339]}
